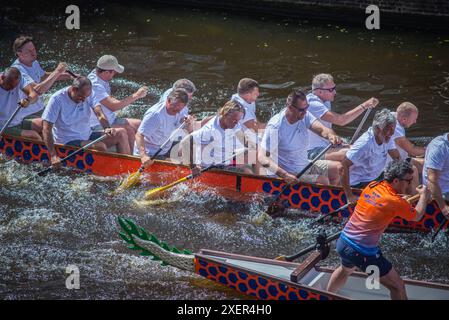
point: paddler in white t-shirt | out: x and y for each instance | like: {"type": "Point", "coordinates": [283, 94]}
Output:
{"type": "Point", "coordinates": [107, 68]}
{"type": "Point", "coordinates": [366, 159]}
{"type": "Point", "coordinates": [12, 85]}
{"type": "Point", "coordinates": [406, 115]}
{"type": "Point", "coordinates": [283, 150]}
{"type": "Point", "coordinates": [159, 124]}
{"type": "Point", "coordinates": [28, 65]}
{"type": "Point", "coordinates": [218, 140]}
{"type": "Point", "coordinates": [323, 94]}
{"type": "Point", "coordinates": [247, 94]}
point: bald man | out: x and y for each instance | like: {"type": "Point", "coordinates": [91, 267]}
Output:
{"type": "Point", "coordinates": [406, 116]}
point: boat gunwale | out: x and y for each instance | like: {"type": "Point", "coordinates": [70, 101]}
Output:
{"type": "Point", "coordinates": [208, 254]}
{"type": "Point", "coordinates": [203, 254]}
{"type": "Point", "coordinates": [173, 164]}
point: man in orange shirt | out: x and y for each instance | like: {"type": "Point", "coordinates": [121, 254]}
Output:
{"type": "Point", "coordinates": [378, 205]}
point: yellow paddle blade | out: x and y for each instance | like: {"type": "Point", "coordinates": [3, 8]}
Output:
{"type": "Point", "coordinates": [281, 258]}
{"type": "Point", "coordinates": [156, 191]}
{"type": "Point", "coordinates": [132, 180]}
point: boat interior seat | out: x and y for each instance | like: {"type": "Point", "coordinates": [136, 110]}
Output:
{"type": "Point", "coordinates": [316, 282]}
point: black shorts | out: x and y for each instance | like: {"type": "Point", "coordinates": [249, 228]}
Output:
{"type": "Point", "coordinates": [351, 258]}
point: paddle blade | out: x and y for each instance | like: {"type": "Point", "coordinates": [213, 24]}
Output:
{"type": "Point", "coordinates": [281, 258]}
{"type": "Point", "coordinates": [150, 194]}
{"type": "Point", "coordinates": [132, 180]}
{"type": "Point", "coordinates": [153, 193]}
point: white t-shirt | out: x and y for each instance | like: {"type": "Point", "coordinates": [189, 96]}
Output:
{"type": "Point", "coordinates": [70, 120]}
{"type": "Point", "coordinates": [399, 132]}
{"type": "Point", "coordinates": [318, 108]}
{"type": "Point", "coordinates": [100, 90]}
{"type": "Point", "coordinates": [9, 100]}
{"type": "Point", "coordinates": [35, 72]}
{"type": "Point", "coordinates": [217, 144]}
{"type": "Point", "coordinates": [437, 157]}
{"type": "Point", "coordinates": [286, 142]}
{"type": "Point", "coordinates": [368, 158]}
{"type": "Point", "coordinates": [156, 127]}
{"type": "Point", "coordinates": [250, 108]}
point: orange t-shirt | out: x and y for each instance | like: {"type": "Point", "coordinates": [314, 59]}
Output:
{"type": "Point", "coordinates": [377, 206]}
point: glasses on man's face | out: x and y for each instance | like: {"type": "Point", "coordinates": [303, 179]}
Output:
{"type": "Point", "coordinates": [328, 89]}
{"type": "Point", "coordinates": [302, 110]}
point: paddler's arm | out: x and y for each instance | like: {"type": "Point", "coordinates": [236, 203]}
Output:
{"type": "Point", "coordinates": [49, 142]}
{"type": "Point", "coordinates": [31, 98]}
{"type": "Point", "coordinates": [114, 104]}
{"type": "Point", "coordinates": [254, 125]}
{"type": "Point", "coordinates": [409, 147]}
{"type": "Point", "coordinates": [50, 78]}
{"type": "Point", "coordinates": [424, 196]}
{"type": "Point", "coordinates": [351, 198]}
{"type": "Point", "coordinates": [101, 117]}
{"type": "Point", "coordinates": [433, 177]}
{"type": "Point", "coordinates": [189, 152]}
{"type": "Point", "coordinates": [325, 132]}
{"type": "Point", "coordinates": [351, 115]}
{"type": "Point", "coordinates": [394, 154]}
{"type": "Point", "coordinates": [140, 142]}
{"type": "Point", "coordinates": [268, 163]}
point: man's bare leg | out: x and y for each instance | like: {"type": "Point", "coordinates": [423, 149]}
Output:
{"type": "Point", "coordinates": [393, 282]}
{"type": "Point", "coordinates": [31, 134]}
{"type": "Point", "coordinates": [339, 278]}
{"type": "Point", "coordinates": [120, 139]}
{"type": "Point", "coordinates": [336, 154]}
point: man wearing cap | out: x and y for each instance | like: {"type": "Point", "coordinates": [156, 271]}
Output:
{"type": "Point", "coordinates": [323, 93]}
{"type": "Point", "coordinates": [107, 68]}
{"type": "Point", "coordinates": [12, 84]}
{"type": "Point", "coordinates": [27, 63]}
{"type": "Point", "coordinates": [66, 121]}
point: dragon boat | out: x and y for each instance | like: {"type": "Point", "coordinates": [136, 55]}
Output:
{"type": "Point", "coordinates": [269, 279]}
{"type": "Point", "coordinates": [314, 198]}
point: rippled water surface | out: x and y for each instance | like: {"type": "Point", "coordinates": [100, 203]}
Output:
{"type": "Point", "coordinates": [64, 218]}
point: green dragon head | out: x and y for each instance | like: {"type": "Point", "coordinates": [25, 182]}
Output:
{"type": "Point", "coordinates": [148, 245]}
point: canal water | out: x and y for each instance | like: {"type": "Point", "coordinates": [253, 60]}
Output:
{"type": "Point", "coordinates": [67, 219]}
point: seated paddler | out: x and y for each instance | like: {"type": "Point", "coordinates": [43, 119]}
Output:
{"type": "Point", "coordinates": [283, 150]}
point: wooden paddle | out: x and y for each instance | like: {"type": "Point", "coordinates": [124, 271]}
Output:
{"type": "Point", "coordinates": [48, 169]}
{"type": "Point", "coordinates": [325, 216]}
{"type": "Point", "coordinates": [273, 207]}
{"type": "Point", "coordinates": [134, 178]}
{"type": "Point", "coordinates": [151, 193]}
{"type": "Point", "coordinates": [308, 249]}
{"type": "Point", "coordinates": [356, 133]}
{"type": "Point", "coordinates": [445, 221]}
{"type": "Point", "coordinates": [10, 118]}
{"type": "Point", "coordinates": [71, 73]}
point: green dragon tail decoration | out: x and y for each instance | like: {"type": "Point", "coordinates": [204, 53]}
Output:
{"type": "Point", "coordinates": [148, 245]}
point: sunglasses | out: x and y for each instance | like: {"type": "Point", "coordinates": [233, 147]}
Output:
{"type": "Point", "coordinates": [328, 89]}
{"type": "Point", "coordinates": [302, 110]}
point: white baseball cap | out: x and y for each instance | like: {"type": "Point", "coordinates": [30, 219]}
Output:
{"type": "Point", "coordinates": [108, 62]}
